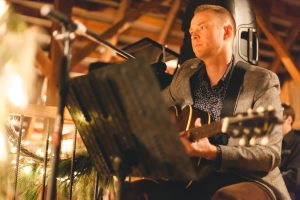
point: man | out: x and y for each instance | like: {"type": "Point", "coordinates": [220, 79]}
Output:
{"type": "Point", "coordinates": [290, 154]}
{"type": "Point", "coordinates": [242, 172]}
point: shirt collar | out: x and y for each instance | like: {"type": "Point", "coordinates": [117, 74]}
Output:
{"type": "Point", "coordinates": [228, 70]}
{"type": "Point", "coordinates": [226, 75]}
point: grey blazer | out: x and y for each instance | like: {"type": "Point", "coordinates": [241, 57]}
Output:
{"type": "Point", "coordinates": [260, 88]}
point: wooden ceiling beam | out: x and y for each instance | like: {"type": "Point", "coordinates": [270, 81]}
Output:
{"type": "Point", "coordinates": [42, 62]}
{"type": "Point", "coordinates": [288, 45]}
{"type": "Point", "coordinates": [292, 2]}
{"type": "Point", "coordinates": [34, 110]}
{"type": "Point", "coordinates": [131, 16]}
{"type": "Point", "coordinates": [279, 47]}
{"type": "Point", "coordinates": [124, 6]}
{"type": "Point", "coordinates": [169, 22]}
{"type": "Point", "coordinates": [278, 9]}
{"type": "Point", "coordinates": [25, 8]}
{"type": "Point", "coordinates": [148, 22]}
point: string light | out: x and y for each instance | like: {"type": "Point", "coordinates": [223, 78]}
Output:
{"type": "Point", "coordinates": [27, 169]}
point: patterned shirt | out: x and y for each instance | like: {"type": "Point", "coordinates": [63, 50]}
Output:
{"type": "Point", "coordinates": [210, 98]}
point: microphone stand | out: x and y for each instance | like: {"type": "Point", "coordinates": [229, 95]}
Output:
{"type": "Point", "coordinates": [68, 27]}
{"type": "Point", "coordinates": [67, 36]}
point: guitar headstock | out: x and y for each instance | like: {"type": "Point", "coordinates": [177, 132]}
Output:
{"type": "Point", "coordinates": [251, 125]}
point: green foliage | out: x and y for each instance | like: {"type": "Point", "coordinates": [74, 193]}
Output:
{"type": "Point", "coordinates": [31, 174]}
{"type": "Point", "coordinates": [30, 181]}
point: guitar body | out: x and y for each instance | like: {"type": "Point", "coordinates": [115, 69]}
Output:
{"type": "Point", "coordinates": [185, 118]}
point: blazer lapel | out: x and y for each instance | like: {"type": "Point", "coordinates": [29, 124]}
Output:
{"type": "Point", "coordinates": [184, 86]}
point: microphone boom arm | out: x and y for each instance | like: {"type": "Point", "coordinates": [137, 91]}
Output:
{"type": "Point", "coordinates": [80, 29]}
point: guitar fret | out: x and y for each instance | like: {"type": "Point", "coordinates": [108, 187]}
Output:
{"type": "Point", "coordinates": [206, 130]}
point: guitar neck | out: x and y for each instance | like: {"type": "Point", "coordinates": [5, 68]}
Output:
{"type": "Point", "coordinates": [206, 130]}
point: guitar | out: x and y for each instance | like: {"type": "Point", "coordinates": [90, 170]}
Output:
{"type": "Point", "coordinates": [248, 126]}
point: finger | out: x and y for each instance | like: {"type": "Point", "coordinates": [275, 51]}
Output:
{"type": "Point", "coordinates": [187, 146]}
{"type": "Point", "coordinates": [198, 122]}
{"type": "Point", "coordinates": [183, 134]}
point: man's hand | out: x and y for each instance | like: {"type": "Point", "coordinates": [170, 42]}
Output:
{"type": "Point", "coordinates": [200, 148]}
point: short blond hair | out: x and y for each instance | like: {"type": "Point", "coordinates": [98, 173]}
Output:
{"type": "Point", "coordinates": [218, 10]}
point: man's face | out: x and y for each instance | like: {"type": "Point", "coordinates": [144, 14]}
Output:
{"type": "Point", "coordinates": [207, 34]}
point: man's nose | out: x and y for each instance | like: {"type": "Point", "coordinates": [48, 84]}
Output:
{"type": "Point", "coordinates": [195, 36]}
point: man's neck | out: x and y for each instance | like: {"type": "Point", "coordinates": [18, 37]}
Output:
{"type": "Point", "coordinates": [286, 130]}
{"type": "Point", "coordinates": [216, 67]}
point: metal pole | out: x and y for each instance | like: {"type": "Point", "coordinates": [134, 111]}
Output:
{"type": "Point", "coordinates": [73, 164]}
{"type": "Point", "coordinates": [96, 190]}
{"type": "Point", "coordinates": [63, 90]}
{"type": "Point", "coordinates": [18, 157]}
{"type": "Point", "coordinates": [46, 157]}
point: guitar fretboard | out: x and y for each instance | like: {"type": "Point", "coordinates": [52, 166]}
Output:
{"type": "Point", "coordinates": [206, 130]}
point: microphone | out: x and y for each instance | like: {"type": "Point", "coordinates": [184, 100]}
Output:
{"type": "Point", "coordinates": [47, 11]}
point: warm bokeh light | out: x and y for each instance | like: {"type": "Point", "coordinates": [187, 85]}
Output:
{"type": "Point", "coordinates": [67, 146]}
{"type": "Point", "coordinates": [3, 147]}
{"type": "Point", "coordinates": [27, 169]}
{"type": "Point", "coordinates": [17, 72]}
{"type": "Point", "coordinates": [15, 91]}
{"type": "Point", "coordinates": [3, 7]}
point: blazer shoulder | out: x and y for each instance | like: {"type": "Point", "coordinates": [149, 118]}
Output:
{"type": "Point", "coordinates": [257, 71]}
{"type": "Point", "coordinates": [191, 63]}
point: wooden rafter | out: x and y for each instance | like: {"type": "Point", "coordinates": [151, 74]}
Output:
{"type": "Point", "coordinates": [170, 21]}
{"type": "Point", "coordinates": [288, 44]}
{"type": "Point", "coordinates": [42, 62]}
{"type": "Point", "coordinates": [278, 9]}
{"type": "Point", "coordinates": [148, 25]}
{"type": "Point", "coordinates": [279, 47]}
{"type": "Point", "coordinates": [127, 21]}
{"type": "Point", "coordinates": [292, 2]}
{"type": "Point", "coordinates": [124, 5]}
{"type": "Point", "coordinates": [33, 110]}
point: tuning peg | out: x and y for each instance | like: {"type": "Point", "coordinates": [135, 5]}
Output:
{"type": "Point", "coordinates": [246, 131]}
{"type": "Point", "coordinates": [257, 131]}
{"type": "Point", "coordinates": [242, 141]}
{"type": "Point", "coordinates": [249, 111]}
{"type": "Point", "coordinates": [252, 141]}
{"type": "Point", "coordinates": [271, 108]}
{"type": "Point", "coordinates": [235, 132]}
{"type": "Point", "coordinates": [260, 110]}
{"type": "Point", "coordinates": [265, 140]}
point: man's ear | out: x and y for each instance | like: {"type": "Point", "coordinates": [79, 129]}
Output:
{"type": "Point", "coordinates": [228, 31]}
{"type": "Point", "coordinates": [289, 119]}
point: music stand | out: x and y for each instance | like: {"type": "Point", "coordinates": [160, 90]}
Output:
{"type": "Point", "coordinates": [152, 49]}
{"type": "Point", "coordinates": [146, 46]}
{"type": "Point", "coordinates": [120, 115]}
{"type": "Point", "coordinates": [158, 55]}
